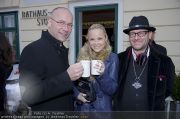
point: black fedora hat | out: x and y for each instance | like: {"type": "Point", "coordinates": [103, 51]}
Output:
{"type": "Point", "coordinates": [139, 22]}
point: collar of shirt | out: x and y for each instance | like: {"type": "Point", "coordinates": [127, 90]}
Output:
{"type": "Point", "coordinates": [134, 54]}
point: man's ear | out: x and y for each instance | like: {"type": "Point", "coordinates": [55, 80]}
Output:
{"type": "Point", "coordinates": [150, 36]}
{"type": "Point", "coordinates": [49, 22]}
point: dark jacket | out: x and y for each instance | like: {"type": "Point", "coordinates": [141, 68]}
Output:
{"type": "Point", "coordinates": [4, 74]}
{"type": "Point", "coordinates": [161, 75]}
{"type": "Point", "coordinates": [159, 48]}
{"type": "Point", "coordinates": [45, 83]}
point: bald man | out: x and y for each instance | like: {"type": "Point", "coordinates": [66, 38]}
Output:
{"type": "Point", "coordinates": [46, 79]}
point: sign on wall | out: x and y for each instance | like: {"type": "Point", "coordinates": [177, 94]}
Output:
{"type": "Point", "coordinates": [40, 16]}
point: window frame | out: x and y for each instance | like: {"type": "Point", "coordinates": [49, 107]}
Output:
{"type": "Point", "coordinates": [12, 29]}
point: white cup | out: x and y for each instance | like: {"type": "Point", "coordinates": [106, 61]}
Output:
{"type": "Point", "coordinates": [94, 71]}
{"type": "Point", "coordinates": [86, 67]}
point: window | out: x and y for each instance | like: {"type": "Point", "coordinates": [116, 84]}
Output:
{"type": "Point", "coordinates": [106, 12]}
{"type": "Point", "coordinates": [103, 14]}
{"type": "Point", "coordinates": [9, 21]}
{"type": "Point", "coordinates": [9, 25]}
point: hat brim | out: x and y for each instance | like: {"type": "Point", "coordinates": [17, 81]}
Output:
{"type": "Point", "coordinates": [126, 31]}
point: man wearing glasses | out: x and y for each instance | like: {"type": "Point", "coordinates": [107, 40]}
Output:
{"type": "Point", "coordinates": [145, 76]}
{"type": "Point", "coordinates": [45, 75]}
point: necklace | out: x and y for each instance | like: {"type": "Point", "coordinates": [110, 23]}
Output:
{"type": "Point", "coordinates": [136, 83]}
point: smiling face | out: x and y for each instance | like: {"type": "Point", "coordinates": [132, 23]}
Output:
{"type": "Point", "coordinates": [97, 39]}
{"type": "Point", "coordinates": [60, 24]}
{"type": "Point", "coordinates": [139, 39]}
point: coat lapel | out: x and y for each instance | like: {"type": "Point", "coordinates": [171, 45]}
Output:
{"type": "Point", "coordinates": [153, 71]}
{"type": "Point", "coordinates": [124, 66]}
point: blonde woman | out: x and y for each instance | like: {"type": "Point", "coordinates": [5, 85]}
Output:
{"type": "Point", "coordinates": [105, 84]}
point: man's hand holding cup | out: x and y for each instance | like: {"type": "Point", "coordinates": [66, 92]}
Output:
{"type": "Point", "coordinates": [75, 71]}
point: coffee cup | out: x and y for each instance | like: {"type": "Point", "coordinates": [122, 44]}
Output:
{"type": "Point", "coordinates": [86, 67]}
{"type": "Point", "coordinates": [94, 69]}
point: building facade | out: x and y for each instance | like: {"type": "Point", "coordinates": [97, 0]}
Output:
{"type": "Point", "coordinates": [23, 21]}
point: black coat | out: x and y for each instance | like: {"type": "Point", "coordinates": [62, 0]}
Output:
{"type": "Point", "coordinates": [159, 48]}
{"type": "Point", "coordinates": [45, 83]}
{"type": "Point", "coordinates": [4, 74]}
{"type": "Point", "coordinates": [161, 75]}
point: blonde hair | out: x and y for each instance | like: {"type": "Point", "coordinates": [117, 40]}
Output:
{"type": "Point", "coordinates": [86, 51]}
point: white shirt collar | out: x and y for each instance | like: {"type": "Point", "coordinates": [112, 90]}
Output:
{"type": "Point", "coordinates": [134, 54]}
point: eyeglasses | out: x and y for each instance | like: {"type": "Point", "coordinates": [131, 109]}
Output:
{"type": "Point", "coordinates": [140, 34]}
{"type": "Point", "coordinates": [63, 23]}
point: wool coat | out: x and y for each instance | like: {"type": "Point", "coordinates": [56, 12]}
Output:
{"type": "Point", "coordinates": [44, 81]}
{"type": "Point", "coordinates": [160, 79]}
{"type": "Point", "coordinates": [159, 48]}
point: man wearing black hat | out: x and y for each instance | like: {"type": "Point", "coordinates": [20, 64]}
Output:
{"type": "Point", "coordinates": [145, 76]}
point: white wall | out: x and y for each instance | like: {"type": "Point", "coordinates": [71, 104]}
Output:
{"type": "Point", "coordinates": [9, 3]}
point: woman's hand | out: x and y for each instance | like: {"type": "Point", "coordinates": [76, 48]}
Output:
{"type": "Point", "coordinates": [82, 98]}
{"type": "Point", "coordinates": [100, 66]}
